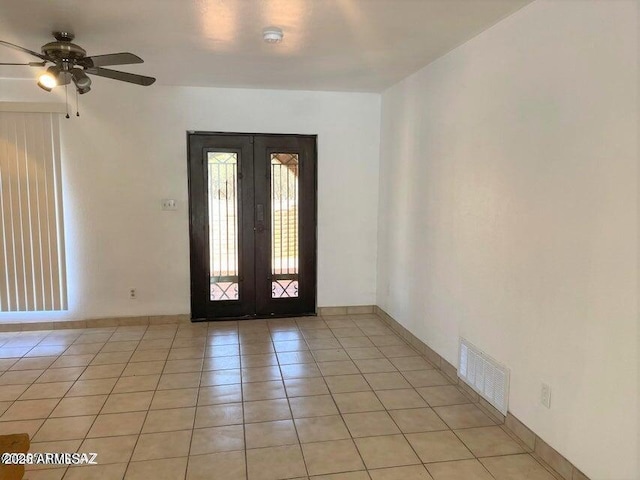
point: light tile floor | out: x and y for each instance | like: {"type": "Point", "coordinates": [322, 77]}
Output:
{"type": "Point", "coordinates": [333, 398]}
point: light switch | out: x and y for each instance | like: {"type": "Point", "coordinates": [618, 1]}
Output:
{"type": "Point", "coordinates": [169, 204]}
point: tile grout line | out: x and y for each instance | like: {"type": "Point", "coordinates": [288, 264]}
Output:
{"type": "Point", "coordinates": [242, 401]}
{"type": "Point", "coordinates": [195, 408]}
{"type": "Point", "coordinates": [293, 421]}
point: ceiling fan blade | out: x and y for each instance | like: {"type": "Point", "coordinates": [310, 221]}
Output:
{"type": "Point", "coordinates": [26, 50]}
{"type": "Point", "coordinates": [122, 76]}
{"type": "Point", "coordinates": [123, 58]}
{"type": "Point", "coordinates": [30, 64]}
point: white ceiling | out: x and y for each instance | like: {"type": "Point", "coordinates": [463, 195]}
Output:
{"type": "Point", "coordinates": [349, 45]}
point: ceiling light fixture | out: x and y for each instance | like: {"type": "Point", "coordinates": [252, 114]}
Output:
{"type": "Point", "coordinates": [49, 79]}
{"type": "Point", "coordinates": [272, 35]}
{"type": "Point", "coordinates": [82, 81]}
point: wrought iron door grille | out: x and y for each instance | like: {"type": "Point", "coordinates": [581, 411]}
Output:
{"type": "Point", "coordinates": [223, 225]}
{"type": "Point", "coordinates": [284, 225]}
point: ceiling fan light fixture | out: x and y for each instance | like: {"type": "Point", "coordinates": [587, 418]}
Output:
{"type": "Point", "coordinates": [272, 34]}
{"type": "Point", "coordinates": [82, 81]}
{"type": "Point", "coordinates": [49, 79]}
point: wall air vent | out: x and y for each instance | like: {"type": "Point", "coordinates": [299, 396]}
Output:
{"type": "Point", "coordinates": [485, 375]}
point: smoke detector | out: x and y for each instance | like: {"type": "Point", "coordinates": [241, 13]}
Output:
{"type": "Point", "coordinates": [272, 35]}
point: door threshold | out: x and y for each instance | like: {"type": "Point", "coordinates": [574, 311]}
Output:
{"type": "Point", "coordinates": [254, 317]}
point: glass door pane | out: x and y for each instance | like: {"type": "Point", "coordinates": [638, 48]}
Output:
{"type": "Point", "coordinates": [284, 225]}
{"type": "Point", "coordinates": [222, 170]}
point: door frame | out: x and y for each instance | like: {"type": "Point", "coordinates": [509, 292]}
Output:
{"type": "Point", "coordinates": [198, 222]}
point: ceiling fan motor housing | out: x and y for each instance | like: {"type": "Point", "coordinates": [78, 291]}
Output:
{"type": "Point", "coordinates": [63, 49]}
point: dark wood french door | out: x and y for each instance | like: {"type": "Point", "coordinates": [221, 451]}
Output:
{"type": "Point", "coordinates": [252, 219]}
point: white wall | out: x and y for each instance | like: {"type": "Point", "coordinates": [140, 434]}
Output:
{"type": "Point", "coordinates": [127, 151]}
{"type": "Point", "coordinates": [509, 215]}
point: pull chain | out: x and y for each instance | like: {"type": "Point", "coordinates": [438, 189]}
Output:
{"type": "Point", "coordinates": [66, 100]}
{"type": "Point", "coordinates": [77, 104]}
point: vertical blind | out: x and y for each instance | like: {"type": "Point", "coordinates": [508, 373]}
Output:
{"type": "Point", "coordinates": [32, 260]}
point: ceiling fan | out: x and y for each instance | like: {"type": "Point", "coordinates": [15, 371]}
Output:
{"type": "Point", "coordinates": [71, 64]}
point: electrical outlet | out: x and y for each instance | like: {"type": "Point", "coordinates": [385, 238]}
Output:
{"type": "Point", "coordinates": [545, 395]}
{"type": "Point", "coordinates": [133, 294]}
